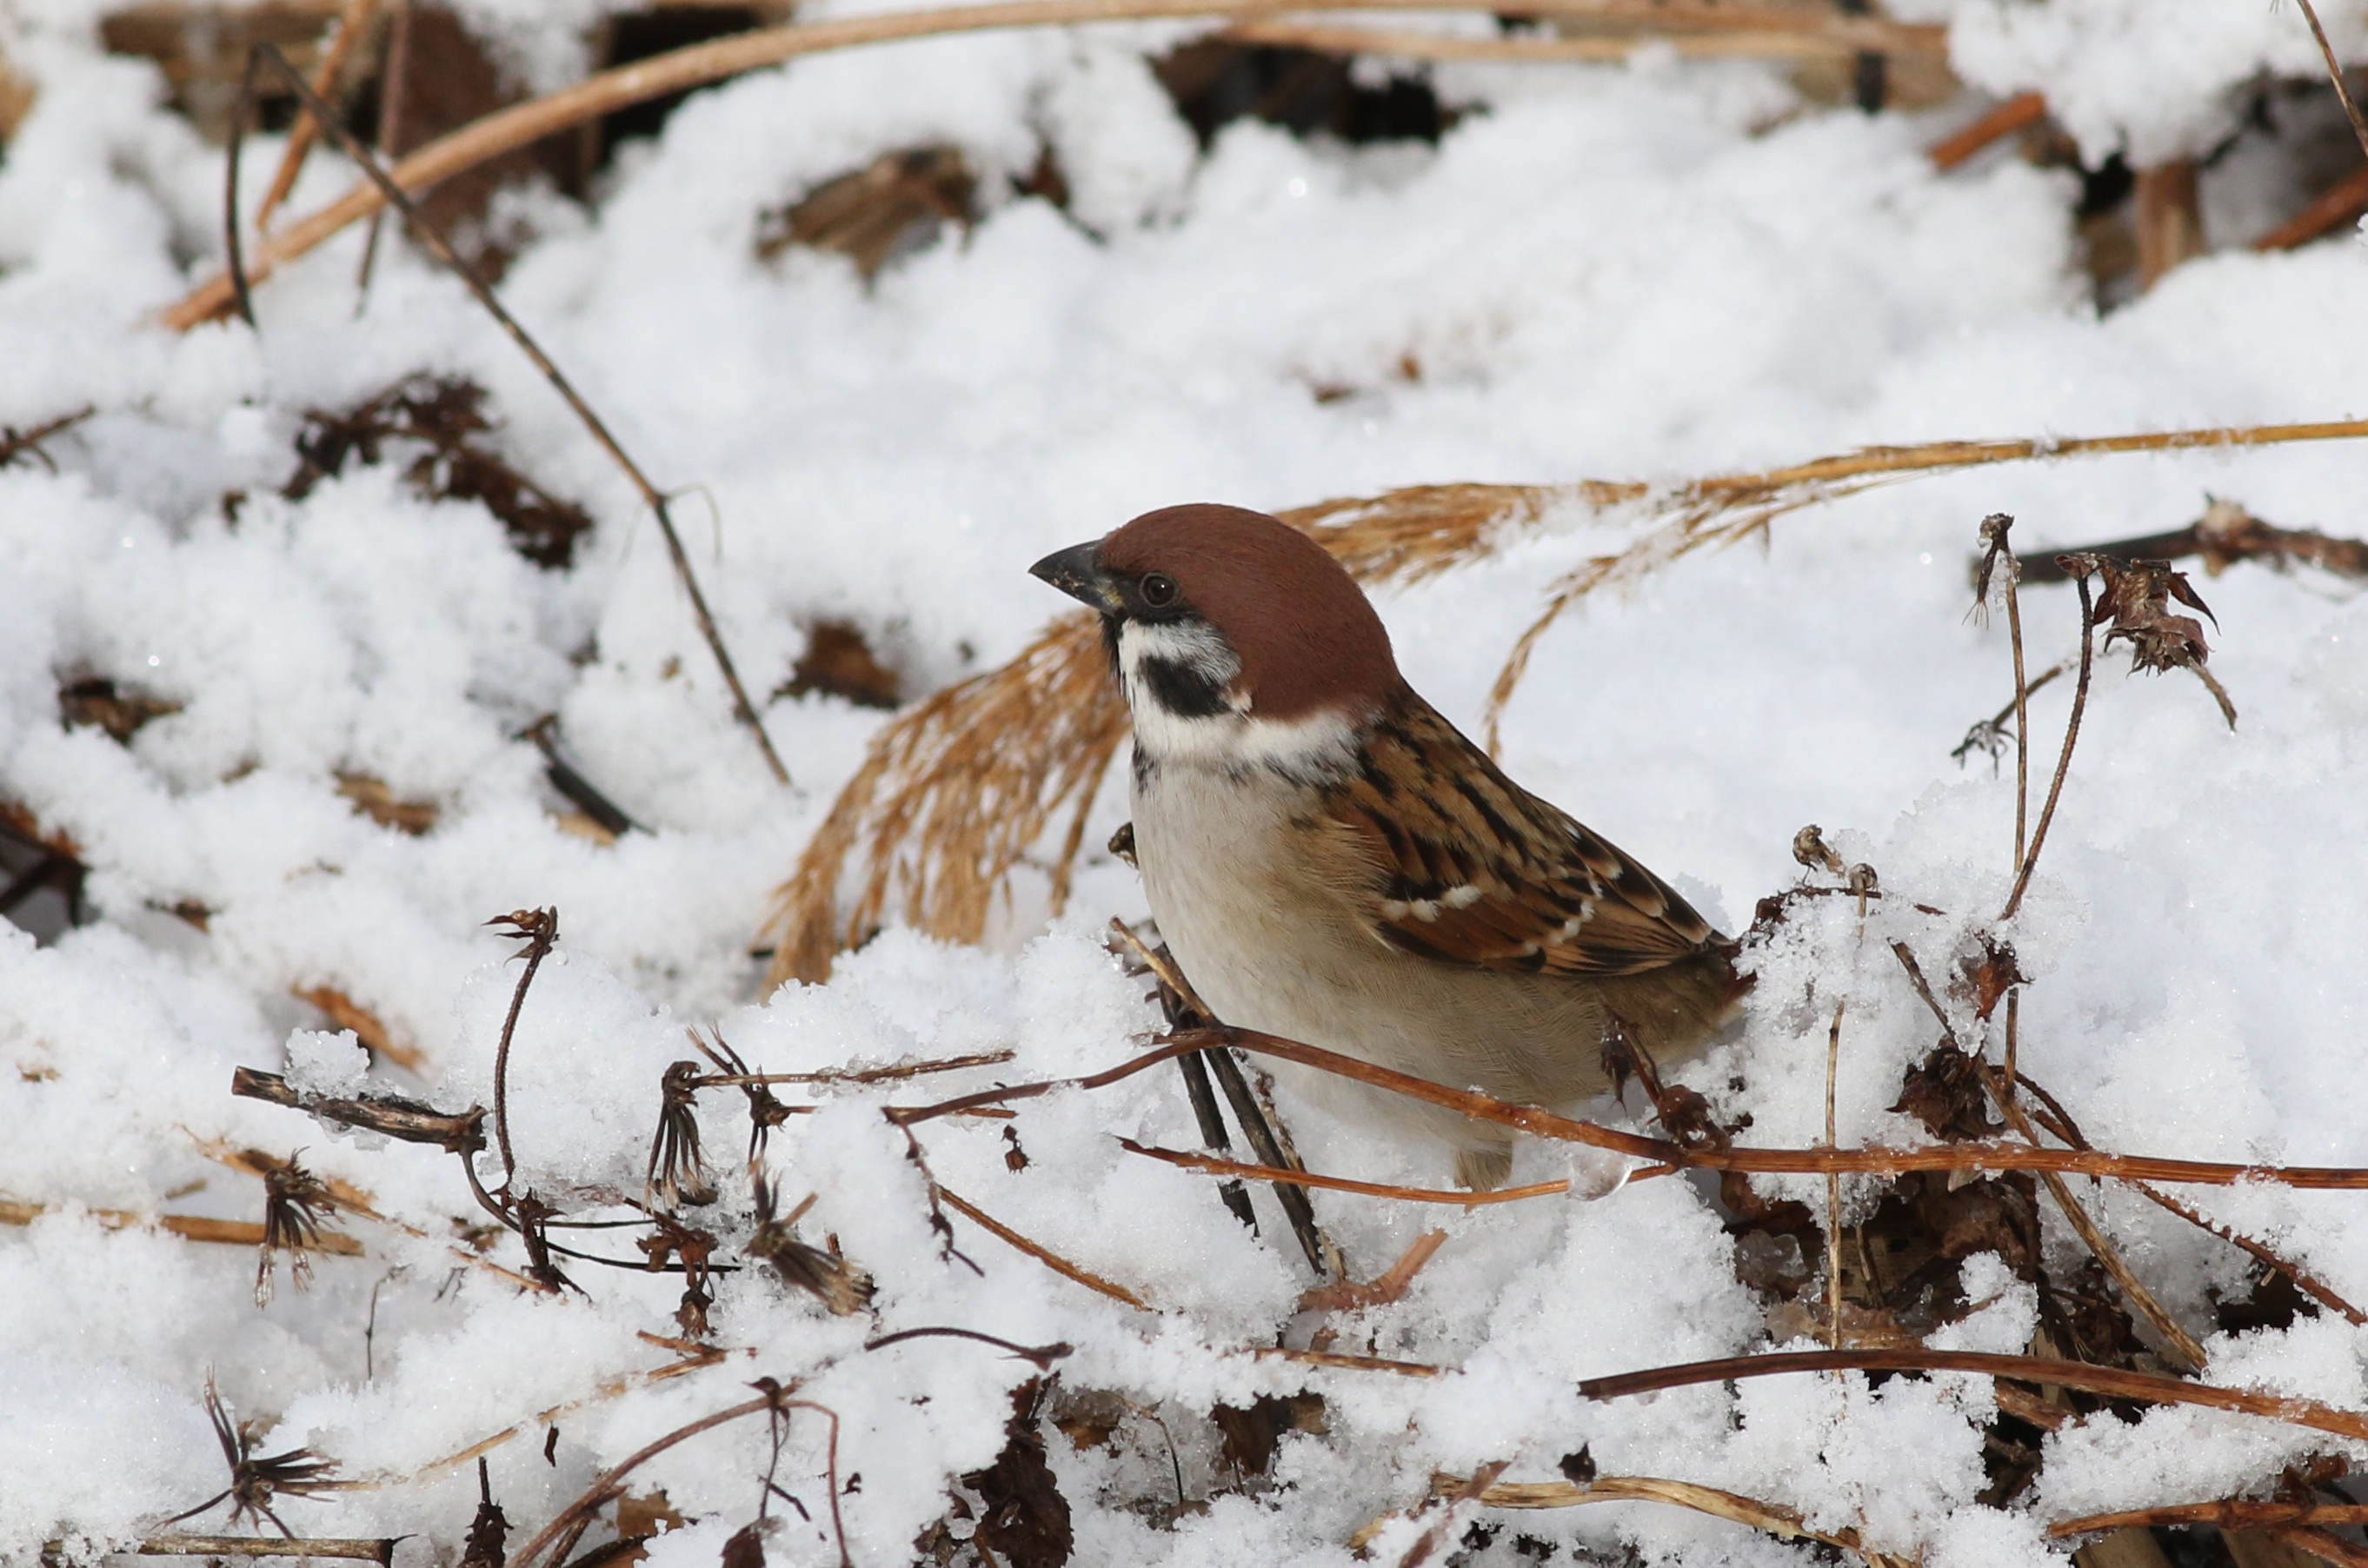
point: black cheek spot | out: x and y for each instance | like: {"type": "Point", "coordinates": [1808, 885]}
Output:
{"type": "Point", "coordinates": [1182, 690]}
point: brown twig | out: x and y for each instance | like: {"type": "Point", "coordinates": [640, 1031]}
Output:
{"type": "Point", "coordinates": [1543, 1123]}
{"type": "Point", "coordinates": [2335, 75]}
{"type": "Point", "coordinates": [2330, 210]}
{"type": "Point", "coordinates": [353, 24]}
{"type": "Point", "coordinates": [1344, 1295]}
{"type": "Point", "coordinates": [2226, 534]}
{"type": "Point", "coordinates": [2227, 1513]}
{"type": "Point", "coordinates": [1347, 1362]}
{"type": "Point", "coordinates": [16, 443]}
{"type": "Point", "coordinates": [1834, 1180]}
{"type": "Point", "coordinates": [188, 1227]}
{"type": "Point", "coordinates": [1795, 43]}
{"type": "Point", "coordinates": [540, 929]}
{"type": "Point", "coordinates": [2063, 761]}
{"type": "Point", "coordinates": [860, 1075]}
{"type": "Point", "coordinates": [459, 1133]}
{"type": "Point", "coordinates": [602, 1490]}
{"type": "Point", "coordinates": [1783, 1523]}
{"type": "Point", "coordinates": [434, 238]}
{"type": "Point", "coordinates": [2113, 1382]}
{"type": "Point", "coordinates": [1468, 1492]}
{"type": "Point", "coordinates": [1040, 1251]}
{"type": "Point", "coordinates": [1043, 1355]}
{"type": "Point", "coordinates": [366, 1550]}
{"type": "Point", "coordinates": [1459, 1197]}
{"type": "Point", "coordinates": [2020, 111]}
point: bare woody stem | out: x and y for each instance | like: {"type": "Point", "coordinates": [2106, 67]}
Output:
{"type": "Point", "coordinates": [2063, 761]}
{"type": "Point", "coordinates": [543, 937]}
{"type": "Point", "coordinates": [392, 192]}
{"type": "Point", "coordinates": [2113, 1382]}
{"type": "Point", "coordinates": [602, 1489]}
{"type": "Point", "coordinates": [1543, 1123]}
{"type": "Point", "coordinates": [2335, 75]}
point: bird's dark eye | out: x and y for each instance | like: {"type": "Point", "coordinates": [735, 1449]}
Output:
{"type": "Point", "coordinates": [1159, 589]}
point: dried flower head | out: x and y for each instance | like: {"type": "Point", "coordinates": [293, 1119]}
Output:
{"type": "Point", "coordinates": [256, 1479]}
{"type": "Point", "coordinates": [843, 1289]}
{"type": "Point", "coordinates": [675, 1171]}
{"type": "Point", "coordinates": [295, 1202]}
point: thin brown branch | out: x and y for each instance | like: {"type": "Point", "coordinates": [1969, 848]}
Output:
{"type": "Point", "coordinates": [1783, 1523]}
{"type": "Point", "coordinates": [2335, 75]}
{"type": "Point", "coordinates": [1833, 1178]}
{"type": "Point", "coordinates": [1344, 1296]}
{"type": "Point", "coordinates": [1794, 43]}
{"type": "Point", "coordinates": [2063, 760]}
{"type": "Point", "coordinates": [16, 443]}
{"type": "Point", "coordinates": [1040, 1251]}
{"type": "Point", "coordinates": [460, 1132]}
{"type": "Point", "coordinates": [2113, 1382]}
{"type": "Point", "coordinates": [434, 238]}
{"type": "Point", "coordinates": [1459, 1197]}
{"type": "Point", "coordinates": [1347, 1362]}
{"type": "Point", "coordinates": [1543, 1123]}
{"type": "Point", "coordinates": [2019, 112]}
{"type": "Point", "coordinates": [365, 1549]}
{"type": "Point", "coordinates": [2333, 208]}
{"type": "Point", "coordinates": [860, 1075]}
{"type": "Point", "coordinates": [601, 1489]}
{"type": "Point", "coordinates": [2227, 1513]}
{"type": "Point", "coordinates": [353, 26]}
{"type": "Point", "coordinates": [188, 1227]}
{"type": "Point", "coordinates": [539, 929]}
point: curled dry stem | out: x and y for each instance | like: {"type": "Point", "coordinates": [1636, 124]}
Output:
{"type": "Point", "coordinates": [2071, 738]}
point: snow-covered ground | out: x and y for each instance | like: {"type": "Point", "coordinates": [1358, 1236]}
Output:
{"type": "Point", "coordinates": [1656, 270]}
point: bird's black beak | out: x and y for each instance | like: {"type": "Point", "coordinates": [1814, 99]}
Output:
{"type": "Point", "coordinates": [1075, 573]}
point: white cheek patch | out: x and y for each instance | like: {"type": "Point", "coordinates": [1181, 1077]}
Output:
{"type": "Point", "coordinates": [1234, 739]}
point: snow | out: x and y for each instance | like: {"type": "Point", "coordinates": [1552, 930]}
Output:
{"type": "Point", "coordinates": [1657, 272]}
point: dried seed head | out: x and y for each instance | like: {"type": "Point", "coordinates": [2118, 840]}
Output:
{"type": "Point", "coordinates": [675, 1171]}
{"type": "Point", "coordinates": [1995, 552]}
{"type": "Point", "coordinates": [1809, 849]}
{"type": "Point", "coordinates": [294, 1203]}
{"type": "Point", "coordinates": [842, 1289]}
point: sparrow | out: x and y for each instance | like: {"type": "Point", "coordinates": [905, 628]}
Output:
{"type": "Point", "coordinates": [1330, 860]}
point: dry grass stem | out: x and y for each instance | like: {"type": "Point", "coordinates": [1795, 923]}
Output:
{"type": "Point", "coordinates": [1782, 1523]}
{"type": "Point", "coordinates": [605, 1488]}
{"type": "Point", "coordinates": [353, 26]}
{"type": "Point", "coordinates": [1040, 1251]}
{"type": "Point", "coordinates": [1795, 44]}
{"type": "Point", "coordinates": [1459, 1197]}
{"type": "Point", "coordinates": [2017, 112]}
{"type": "Point", "coordinates": [2113, 1382]}
{"type": "Point", "coordinates": [1347, 1362]}
{"type": "Point", "coordinates": [188, 1227]}
{"type": "Point", "coordinates": [859, 1074]}
{"type": "Point", "coordinates": [1834, 1186]}
{"type": "Point", "coordinates": [2030, 860]}
{"type": "Point", "coordinates": [2335, 75]}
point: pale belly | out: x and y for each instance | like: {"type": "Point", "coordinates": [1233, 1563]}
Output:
{"type": "Point", "coordinates": [1273, 950]}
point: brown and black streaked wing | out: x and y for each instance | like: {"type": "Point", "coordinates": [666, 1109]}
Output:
{"type": "Point", "coordinates": [1468, 868]}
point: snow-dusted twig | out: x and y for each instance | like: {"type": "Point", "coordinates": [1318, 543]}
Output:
{"type": "Point", "coordinates": [1459, 1197]}
{"type": "Point", "coordinates": [1040, 1251]}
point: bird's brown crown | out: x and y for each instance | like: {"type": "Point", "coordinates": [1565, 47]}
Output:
{"type": "Point", "coordinates": [1306, 637]}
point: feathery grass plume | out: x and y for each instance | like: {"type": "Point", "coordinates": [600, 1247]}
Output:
{"type": "Point", "coordinates": [842, 1288]}
{"type": "Point", "coordinates": [964, 784]}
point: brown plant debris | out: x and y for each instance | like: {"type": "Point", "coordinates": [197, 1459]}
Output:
{"type": "Point", "coordinates": [842, 1288]}
{"type": "Point", "coordinates": [676, 1173]}
{"type": "Point", "coordinates": [374, 799]}
{"type": "Point", "coordinates": [2224, 535]}
{"type": "Point", "coordinates": [897, 205]}
{"type": "Point", "coordinates": [256, 1479]}
{"type": "Point", "coordinates": [294, 1203]}
{"type": "Point", "coordinates": [409, 1120]}
{"type": "Point", "coordinates": [488, 1529]}
{"type": "Point", "coordinates": [840, 663]}
{"type": "Point", "coordinates": [98, 701]}
{"type": "Point", "coordinates": [2134, 608]}
{"type": "Point", "coordinates": [446, 414]}
{"type": "Point", "coordinates": [1025, 1520]}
